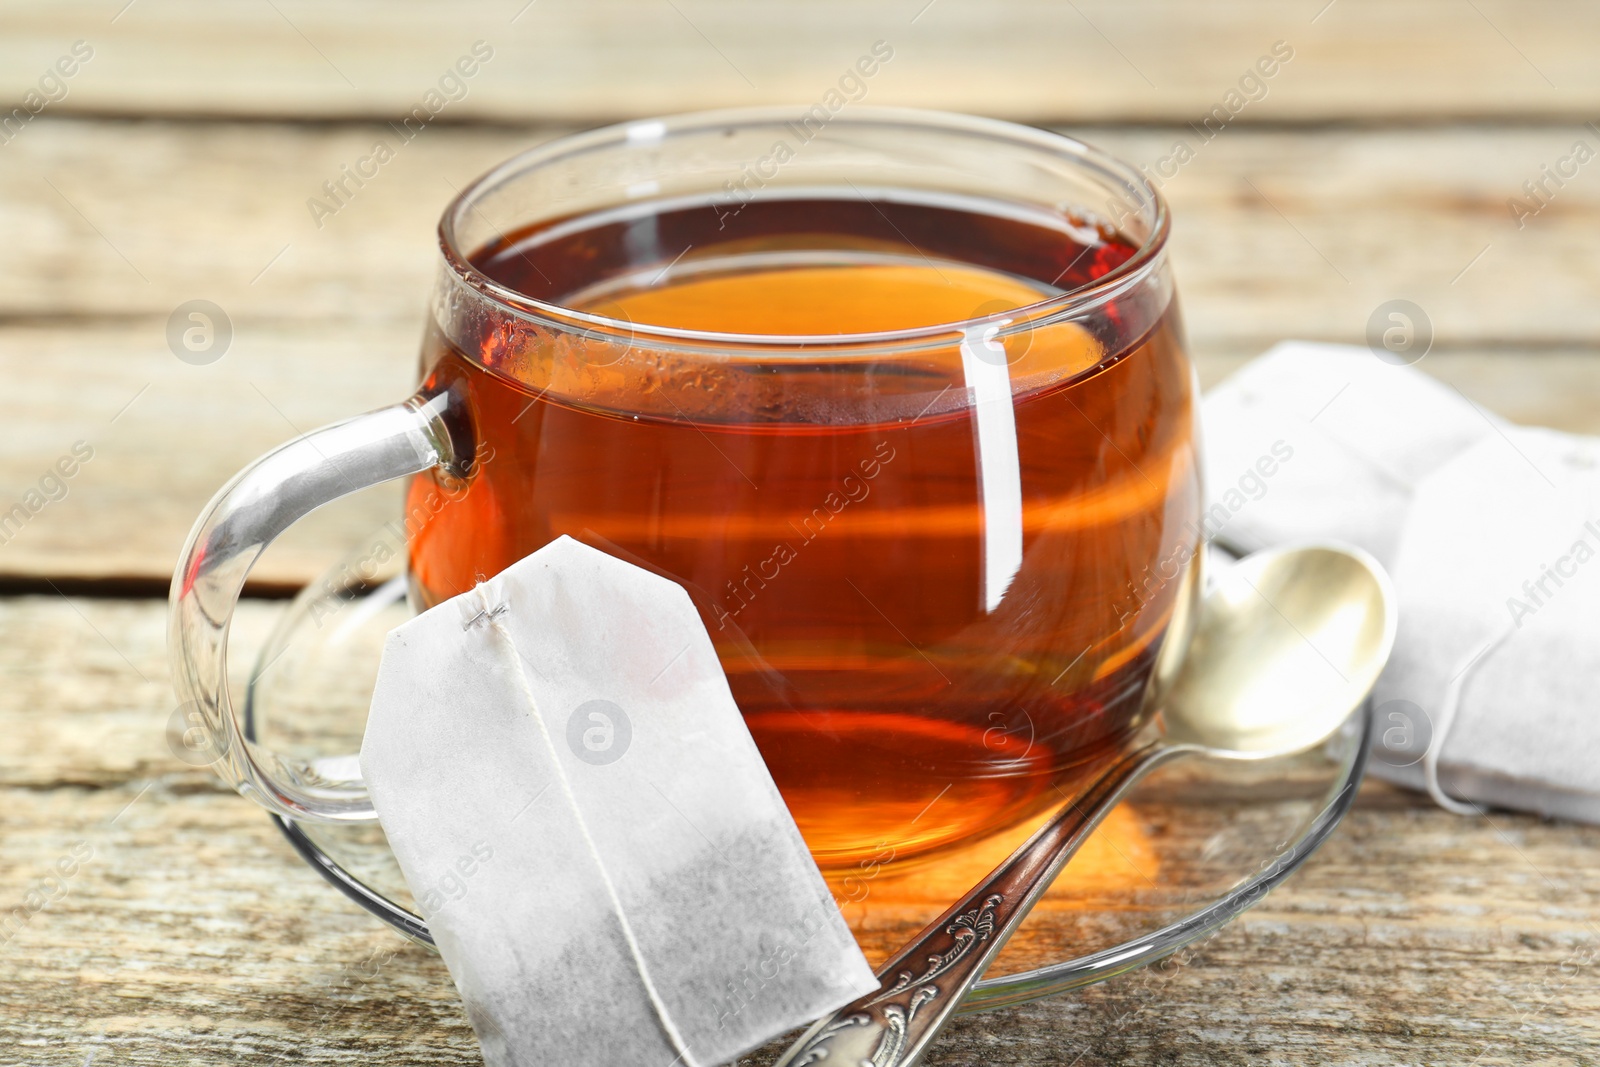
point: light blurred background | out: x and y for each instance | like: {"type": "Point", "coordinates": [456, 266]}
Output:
{"type": "Point", "coordinates": [176, 163]}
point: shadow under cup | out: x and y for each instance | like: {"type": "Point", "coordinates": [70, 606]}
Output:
{"type": "Point", "coordinates": [901, 401]}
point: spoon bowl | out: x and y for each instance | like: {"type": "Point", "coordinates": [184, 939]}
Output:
{"type": "Point", "coordinates": [1288, 643]}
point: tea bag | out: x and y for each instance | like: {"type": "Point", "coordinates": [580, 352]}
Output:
{"type": "Point", "coordinates": [589, 830]}
{"type": "Point", "coordinates": [1327, 442]}
{"type": "Point", "coordinates": [1489, 695]}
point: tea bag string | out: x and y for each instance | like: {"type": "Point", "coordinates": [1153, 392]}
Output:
{"type": "Point", "coordinates": [1447, 718]}
{"type": "Point", "coordinates": [492, 616]}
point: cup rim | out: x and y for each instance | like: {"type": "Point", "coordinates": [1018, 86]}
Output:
{"type": "Point", "coordinates": [556, 316]}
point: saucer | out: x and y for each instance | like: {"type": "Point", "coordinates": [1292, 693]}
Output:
{"type": "Point", "coordinates": [1193, 846]}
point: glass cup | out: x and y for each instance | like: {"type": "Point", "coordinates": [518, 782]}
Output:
{"type": "Point", "coordinates": [900, 398]}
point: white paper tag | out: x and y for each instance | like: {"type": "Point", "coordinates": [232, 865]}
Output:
{"type": "Point", "coordinates": [608, 870]}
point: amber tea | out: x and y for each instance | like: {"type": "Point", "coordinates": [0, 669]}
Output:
{"type": "Point", "coordinates": [933, 608]}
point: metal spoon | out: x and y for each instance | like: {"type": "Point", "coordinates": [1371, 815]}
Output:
{"type": "Point", "coordinates": [1288, 644]}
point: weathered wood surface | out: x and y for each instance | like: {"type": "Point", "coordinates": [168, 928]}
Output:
{"type": "Point", "coordinates": [1150, 60]}
{"type": "Point", "coordinates": [188, 931]}
{"type": "Point", "coordinates": [1278, 234]}
{"type": "Point", "coordinates": [1377, 165]}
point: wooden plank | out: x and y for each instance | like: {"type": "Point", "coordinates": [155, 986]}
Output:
{"type": "Point", "coordinates": [191, 934]}
{"type": "Point", "coordinates": [1152, 60]}
{"type": "Point", "coordinates": [129, 220]}
{"type": "Point", "coordinates": [1278, 234]}
{"type": "Point", "coordinates": [165, 435]}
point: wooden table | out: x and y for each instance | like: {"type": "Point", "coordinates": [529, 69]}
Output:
{"type": "Point", "coordinates": [1378, 165]}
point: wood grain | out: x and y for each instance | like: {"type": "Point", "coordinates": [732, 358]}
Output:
{"type": "Point", "coordinates": [1150, 60]}
{"type": "Point", "coordinates": [165, 436]}
{"type": "Point", "coordinates": [1378, 164]}
{"type": "Point", "coordinates": [1278, 234]}
{"type": "Point", "coordinates": [192, 934]}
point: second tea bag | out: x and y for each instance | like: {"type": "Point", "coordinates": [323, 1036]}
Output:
{"type": "Point", "coordinates": [1489, 695]}
{"type": "Point", "coordinates": [588, 827]}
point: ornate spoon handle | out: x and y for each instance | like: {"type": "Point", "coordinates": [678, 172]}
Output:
{"type": "Point", "coordinates": [924, 983]}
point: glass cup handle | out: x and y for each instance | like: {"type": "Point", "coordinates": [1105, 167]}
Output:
{"type": "Point", "coordinates": [256, 505]}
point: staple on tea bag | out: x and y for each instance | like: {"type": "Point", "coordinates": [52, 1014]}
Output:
{"type": "Point", "coordinates": [1489, 693]}
{"type": "Point", "coordinates": [1317, 442]}
{"type": "Point", "coordinates": [588, 828]}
